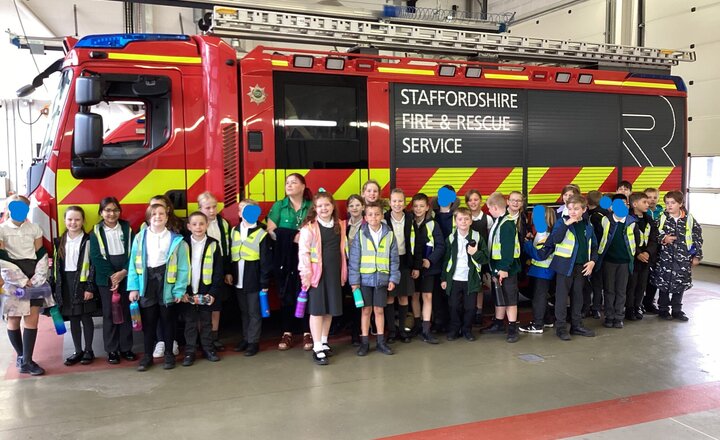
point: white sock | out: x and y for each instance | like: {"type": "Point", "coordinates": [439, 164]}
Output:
{"type": "Point", "coordinates": [324, 340]}
{"type": "Point", "coordinates": [317, 346]}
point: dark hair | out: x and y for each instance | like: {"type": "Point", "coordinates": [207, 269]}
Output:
{"type": "Point", "coordinates": [619, 196]}
{"type": "Point", "coordinates": [675, 195]}
{"type": "Point", "coordinates": [107, 201]}
{"type": "Point", "coordinates": [625, 184]}
{"type": "Point", "coordinates": [634, 197]}
{"type": "Point", "coordinates": [420, 197]}
{"type": "Point", "coordinates": [593, 198]}
{"type": "Point", "coordinates": [312, 213]}
{"type": "Point", "coordinates": [63, 238]}
{"type": "Point", "coordinates": [198, 214]}
{"type": "Point", "coordinates": [373, 205]}
{"type": "Point", "coordinates": [307, 194]}
{"type": "Point", "coordinates": [470, 193]}
{"type": "Point", "coordinates": [571, 187]}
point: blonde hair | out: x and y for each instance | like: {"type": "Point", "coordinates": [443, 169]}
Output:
{"type": "Point", "coordinates": [496, 199]}
{"type": "Point", "coordinates": [204, 197]}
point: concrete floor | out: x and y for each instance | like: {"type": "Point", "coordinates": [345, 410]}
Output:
{"type": "Point", "coordinates": [478, 385]}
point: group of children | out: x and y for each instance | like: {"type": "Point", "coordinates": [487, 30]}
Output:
{"type": "Point", "coordinates": [436, 261]}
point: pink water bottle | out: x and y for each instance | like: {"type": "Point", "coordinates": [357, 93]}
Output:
{"type": "Point", "coordinates": [301, 303]}
{"type": "Point", "coordinates": [117, 314]}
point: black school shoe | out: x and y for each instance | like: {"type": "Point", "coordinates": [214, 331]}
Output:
{"type": "Point", "coordinates": [497, 327]}
{"type": "Point", "coordinates": [618, 323]}
{"type": "Point", "coordinates": [88, 357]}
{"type": "Point", "coordinates": [595, 314]}
{"type": "Point", "coordinates": [242, 346]}
{"type": "Point", "coordinates": [630, 314]}
{"type": "Point", "coordinates": [563, 334]}
{"type": "Point", "coordinates": [113, 358]}
{"type": "Point", "coordinates": [18, 362]}
{"type": "Point", "coordinates": [211, 355]}
{"type": "Point", "coordinates": [362, 350]}
{"type": "Point", "coordinates": [169, 363]}
{"type": "Point", "coordinates": [32, 369]}
{"type": "Point", "coordinates": [608, 323]}
{"type": "Point", "coordinates": [430, 339]}
{"type": "Point", "coordinates": [405, 338]}
{"type": "Point", "coordinates": [321, 360]}
{"type": "Point", "coordinates": [384, 348]}
{"type": "Point", "coordinates": [145, 363]}
{"type": "Point", "coordinates": [581, 330]}
{"type": "Point", "coordinates": [512, 333]}
{"type": "Point", "coordinates": [128, 355]}
{"type": "Point", "coordinates": [74, 358]}
{"type": "Point", "coordinates": [252, 350]}
{"type": "Point", "coordinates": [189, 359]}
{"type": "Point", "coordinates": [665, 315]}
{"type": "Point", "coordinates": [651, 309]}
{"type": "Point", "coordinates": [680, 316]}
{"type": "Point", "coordinates": [638, 313]}
{"type": "Point", "coordinates": [468, 336]}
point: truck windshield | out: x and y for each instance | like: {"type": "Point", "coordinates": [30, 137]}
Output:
{"type": "Point", "coordinates": [55, 111]}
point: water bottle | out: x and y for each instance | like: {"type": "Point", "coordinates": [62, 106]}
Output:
{"type": "Point", "coordinates": [34, 292]}
{"type": "Point", "coordinates": [265, 305]}
{"type": "Point", "coordinates": [357, 296]}
{"type": "Point", "coordinates": [135, 316]}
{"type": "Point", "coordinates": [58, 320]}
{"type": "Point", "coordinates": [116, 307]}
{"type": "Point", "coordinates": [301, 303]}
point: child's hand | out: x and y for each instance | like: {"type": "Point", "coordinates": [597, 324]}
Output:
{"type": "Point", "coordinates": [391, 286]}
{"type": "Point", "coordinates": [177, 300]}
{"type": "Point", "coordinates": [87, 296]}
{"type": "Point", "coordinates": [695, 261]}
{"type": "Point", "coordinates": [415, 274]}
{"type": "Point", "coordinates": [355, 287]}
{"type": "Point", "coordinates": [501, 275]}
{"type": "Point", "coordinates": [443, 284]}
{"type": "Point", "coordinates": [471, 250]}
{"type": "Point", "coordinates": [228, 279]}
{"type": "Point", "coordinates": [669, 239]}
{"type": "Point", "coordinates": [569, 221]}
{"type": "Point", "coordinates": [185, 298]}
{"type": "Point", "coordinates": [426, 263]}
{"type": "Point", "coordinates": [588, 268]}
{"type": "Point", "coordinates": [133, 295]}
{"type": "Point", "coordinates": [643, 257]}
{"type": "Point", "coordinates": [29, 283]}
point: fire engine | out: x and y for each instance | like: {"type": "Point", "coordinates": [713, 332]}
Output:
{"type": "Point", "coordinates": [196, 118]}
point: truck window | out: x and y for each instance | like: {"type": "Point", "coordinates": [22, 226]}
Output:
{"type": "Point", "coordinates": [321, 121]}
{"type": "Point", "coordinates": [133, 126]}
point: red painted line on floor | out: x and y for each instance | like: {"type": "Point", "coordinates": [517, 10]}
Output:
{"type": "Point", "coordinates": [585, 418]}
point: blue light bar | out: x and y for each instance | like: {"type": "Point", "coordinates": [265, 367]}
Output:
{"type": "Point", "coordinates": [118, 41]}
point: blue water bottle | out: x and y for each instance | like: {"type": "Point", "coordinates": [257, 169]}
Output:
{"type": "Point", "coordinates": [264, 304]}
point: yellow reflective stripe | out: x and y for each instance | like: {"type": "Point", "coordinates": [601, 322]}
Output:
{"type": "Point", "coordinates": [138, 264]}
{"type": "Point", "coordinates": [507, 76]}
{"type": "Point", "coordinates": [96, 229]}
{"type": "Point", "coordinates": [153, 58]}
{"type": "Point", "coordinates": [280, 63]}
{"type": "Point", "coordinates": [643, 84]}
{"type": "Point", "coordinates": [406, 71]}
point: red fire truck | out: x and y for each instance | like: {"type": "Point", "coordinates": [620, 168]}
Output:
{"type": "Point", "coordinates": [195, 118]}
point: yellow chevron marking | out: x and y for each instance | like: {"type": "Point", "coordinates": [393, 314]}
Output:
{"type": "Point", "coordinates": [262, 187]}
{"type": "Point", "coordinates": [513, 181]}
{"type": "Point", "coordinates": [405, 71]}
{"type": "Point", "coordinates": [350, 186]}
{"type": "Point", "coordinates": [447, 176]}
{"type": "Point", "coordinates": [651, 177]}
{"type": "Point", "coordinates": [506, 76]}
{"type": "Point", "coordinates": [534, 176]}
{"type": "Point", "coordinates": [91, 216]}
{"type": "Point", "coordinates": [591, 178]}
{"type": "Point", "coordinates": [642, 84]}
{"type": "Point", "coordinates": [382, 175]}
{"type": "Point", "coordinates": [160, 182]}
{"type": "Point", "coordinates": [66, 183]}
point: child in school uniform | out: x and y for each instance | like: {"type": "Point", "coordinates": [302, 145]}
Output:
{"type": "Point", "coordinates": [323, 269]}
{"type": "Point", "coordinates": [593, 297]}
{"type": "Point", "coordinates": [351, 314]}
{"type": "Point", "coordinates": [542, 276]}
{"type": "Point", "coordinates": [110, 244]}
{"type": "Point", "coordinates": [401, 224]}
{"type": "Point", "coordinates": [74, 287]}
{"type": "Point", "coordinates": [680, 240]}
{"type": "Point", "coordinates": [219, 229]}
{"type": "Point", "coordinates": [373, 267]}
{"type": "Point", "coordinates": [616, 257]}
{"type": "Point", "coordinates": [569, 191]}
{"type": "Point", "coordinates": [21, 249]}
{"type": "Point", "coordinates": [444, 216]}
{"type": "Point", "coordinates": [427, 248]}
{"type": "Point", "coordinates": [504, 264]}
{"type": "Point", "coordinates": [646, 249]}
{"type": "Point", "coordinates": [465, 253]}
{"type": "Point", "coordinates": [252, 268]}
{"type": "Point", "coordinates": [655, 210]}
{"type": "Point", "coordinates": [481, 223]}
{"type": "Point", "coordinates": [574, 253]}
{"type": "Point", "coordinates": [158, 276]}
{"type": "Point", "coordinates": [206, 280]}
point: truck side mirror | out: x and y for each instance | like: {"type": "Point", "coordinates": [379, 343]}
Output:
{"type": "Point", "coordinates": [88, 90]}
{"type": "Point", "coordinates": [88, 135]}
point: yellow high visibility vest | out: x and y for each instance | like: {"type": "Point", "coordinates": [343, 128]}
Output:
{"type": "Point", "coordinates": [248, 249]}
{"type": "Point", "coordinates": [496, 253]}
{"type": "Point", "coordinates": [474, 235]}
{"type": "Point", "coordinates": [430, 227]}
{"type": "Point", "coordinates": [629, 231]}
{"type": "Point", "coordinates": [689, 223]}
{"type": "Point", "coordinates": [374, 259]}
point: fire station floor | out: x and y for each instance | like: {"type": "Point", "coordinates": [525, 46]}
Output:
{"type": "Point", "coordinates": [652, 379]}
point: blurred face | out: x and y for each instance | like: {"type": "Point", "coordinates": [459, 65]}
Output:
{"type": "Point", "coordinates": [474, 202]}
{"type": "Point", "coordinates": [515, 203]}
{"type": "Point", "coordinates": [73, 221]}
{"type": "Point", "coordinates": [575, 211]}
{"type": "Point", "coordinates": [355, 208]}
{"type": "Point", "coordinates": [496, 211]}
{"type": "Point", "coordinates": [371, 193]}
{"type": "Point", "coordinates": [197, 225]}
{"type": "Point", "coordinates": [672, 206]}
{"type": "Point", "coordinates": [373, 217]}
{"type": "Point", "coordinates": [209, 208]}
{"type": "Point", "coordinates": [397, 202]}
{"type": "Point", "coordinates": [324, 208]}
{"type": "Point", "coordinates": [110, 214]}
{"type": "Point", "coordinates": [567, 195]}
{"type": "Point", "coordinates": [463, 223]}
{"type": "Point", "coordinates": [293, 186]}
{"type": "Point", "coordinates": [652, 199]}
{"type": "Point", "coordinates": [158, 218]}
{"type": "Point", "coordinates": [241, 206]}
{"type": "Point", "coordinates": [420, 208]}
{"type": "Point", "coordinates": [641, 205]}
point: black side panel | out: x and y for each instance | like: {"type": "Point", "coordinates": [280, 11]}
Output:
{"type": "Point", "coordinates": [572, 129]}
{"type": "Point", "coordinates": [653, 131]}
